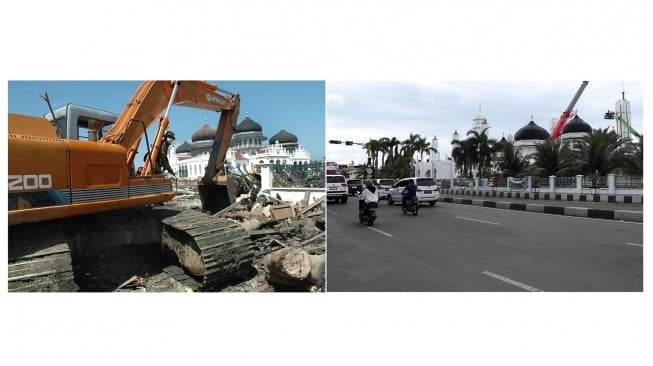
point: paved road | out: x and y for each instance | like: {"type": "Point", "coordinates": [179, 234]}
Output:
{"type": "Point", "coordinates": [454, 247]}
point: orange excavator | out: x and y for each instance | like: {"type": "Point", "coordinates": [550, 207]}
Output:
{"type": "Point", "coordinates": [68, 195]}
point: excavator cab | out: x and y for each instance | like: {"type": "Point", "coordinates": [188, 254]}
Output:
{"type": "Point", "coordinates": [77, 122]}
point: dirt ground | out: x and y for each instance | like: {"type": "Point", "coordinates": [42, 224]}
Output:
{"type": "Point", "coordinates": [143, 268]}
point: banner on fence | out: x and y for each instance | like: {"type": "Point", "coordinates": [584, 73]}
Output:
{"type": "Point", "coordinates": [517, 182]}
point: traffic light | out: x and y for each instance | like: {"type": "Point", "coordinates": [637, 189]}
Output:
{"type": "Point", "coordinates": [335, 142]}
{"type": "Point", "coordinates": [369, 169]}
{"type": "Point", "coordinates": [349, 142]}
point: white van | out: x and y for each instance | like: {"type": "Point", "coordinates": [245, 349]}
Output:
{"type": "Point", "coordinates": [427, 190]}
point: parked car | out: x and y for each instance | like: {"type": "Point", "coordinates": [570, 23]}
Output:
{"type": "Point", "coordinates": [384, 184]}
{"type": "Point", "coordinates": [427, 190]}
{"type": "Point", "coordinates": [336, 186]}
{"type": "Point", "coordinates": [355, 185]}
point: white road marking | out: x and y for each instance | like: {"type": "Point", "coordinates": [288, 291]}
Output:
{"type": "Point", "coordinates": [635, 244]}
{"type": "Point", "coordinates": [512, 282]}
{"type": "Point", "coordinates": [332, 212]}
{"type": "Point", "coordinates": [380, 232]}
{"type": "Point", "coordinates": [485, 222]}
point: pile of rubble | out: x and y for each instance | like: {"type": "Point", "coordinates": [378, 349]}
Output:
{"type": "Point", "coordinates": [289, 237]}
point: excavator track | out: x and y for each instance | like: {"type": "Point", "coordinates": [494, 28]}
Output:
{"type": "Point", "coordinates": [216, 250]}
{"type": "Point", "coordinates": [39, 259]}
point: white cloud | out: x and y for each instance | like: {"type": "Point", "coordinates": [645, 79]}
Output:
{"type": "Point", "coordinates": [396, 109]}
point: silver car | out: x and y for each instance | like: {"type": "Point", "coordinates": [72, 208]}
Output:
{"type": "Point", "coordinates": [384, 184]}
{"type": "Point", "coordinates": [427, 190]}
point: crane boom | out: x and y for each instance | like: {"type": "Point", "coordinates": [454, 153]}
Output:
{"type": "Point", "coordinates": [557, 130]}
{"type": "Point", "coordinates": [628, 126]}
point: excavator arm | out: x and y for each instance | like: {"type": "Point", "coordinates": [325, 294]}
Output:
{"type": "Point", "coordinates": [153, 100]}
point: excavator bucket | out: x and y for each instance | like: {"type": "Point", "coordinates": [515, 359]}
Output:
{"type": "Point", "coordinates": [217, 197]}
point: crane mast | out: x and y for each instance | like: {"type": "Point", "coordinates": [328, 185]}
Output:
{"type": "Point", "coordinates": [557, 130]}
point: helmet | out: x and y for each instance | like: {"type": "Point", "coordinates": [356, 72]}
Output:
{"type": "Point", "coordinates": [169, 134]}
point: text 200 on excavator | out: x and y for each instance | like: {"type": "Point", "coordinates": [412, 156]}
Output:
{"type": "Point", "coordinates": [66, 195]}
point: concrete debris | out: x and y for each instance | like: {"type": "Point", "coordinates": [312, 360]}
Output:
{"type": "Point", "coordinates": [290, 237]}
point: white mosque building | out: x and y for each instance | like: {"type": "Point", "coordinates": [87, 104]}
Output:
{"type": "Point", "coordinates": [525, 141]}
{"type": "Point", "coordinates": [247, 150]}
{"type": "Point", "coordinates": [433, 166]}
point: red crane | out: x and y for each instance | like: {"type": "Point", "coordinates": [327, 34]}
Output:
{"type": "Point", "coordinates": [557, 130]}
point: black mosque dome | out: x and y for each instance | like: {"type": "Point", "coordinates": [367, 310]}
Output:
{"type": "Point", "coordinates": [204, 133]}
{"type": "Point", "coordinates": [248, 125]}
{"type": "Point", "coordinates": [531, 132]}
{"type": "Point", "coordinates": [576, 124]}
{"type": "Point", "coordinates": [501, 143]}
{"type": "Point", "coordinates": [284, 137]}
{"type": "Point", "coordinates": [183, 148]}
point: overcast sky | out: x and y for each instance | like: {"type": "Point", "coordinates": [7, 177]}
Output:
{"type": "Point", "coordinates": [360, 111]}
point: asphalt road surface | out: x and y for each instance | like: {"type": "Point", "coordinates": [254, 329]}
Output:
{"type": "Point", "coordinates": [453, 247]}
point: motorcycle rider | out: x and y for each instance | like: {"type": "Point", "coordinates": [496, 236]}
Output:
{"type": "Point", "coordinates": [368, 195]}
{"type": "Point", "coordinates": [409, 193]}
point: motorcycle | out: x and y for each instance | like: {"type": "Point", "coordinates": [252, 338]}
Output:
{"type": "Point", "coordinates": [368, 214]}
{"type": "Point", "coordinates": [413, 206]}
{"type": "Point", "coordinates": [366, 211]}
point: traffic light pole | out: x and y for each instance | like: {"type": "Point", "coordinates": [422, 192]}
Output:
{"type": "Point", "coordinates": [369, 169]}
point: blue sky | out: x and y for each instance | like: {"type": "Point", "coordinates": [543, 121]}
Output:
{"type": "Point", "coordinates": [296, 106]}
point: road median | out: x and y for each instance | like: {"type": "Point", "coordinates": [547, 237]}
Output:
{"type": "Point", "coordinates": [607, 214]}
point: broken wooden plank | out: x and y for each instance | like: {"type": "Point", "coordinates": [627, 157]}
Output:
{"type": "Point", "coordinates": [318, 202]}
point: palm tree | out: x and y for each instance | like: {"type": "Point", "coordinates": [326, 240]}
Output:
{"type": "Point", "coordinates": [462, 152]}
{"type": "Point", "coordinates": [397, 167]}
{"type": "Point", "coordinates": [372, 148]}
{"type": "Point", "coordinates": [384, 148]}
{"type": "Point", "coordinates": [393, 144]}
{"type": "Point", "coordinates": [422, 146]}
{"type": "Point", "coordinates": [634, 157]}
{"type": "Point", "coordinates": [481, 145]}
{"type": "Point", "coordinates": [553, 158]}
{"type": "Point", "coordinates": [601, 152]}
{"type": "Point", "coordinates": [512, 163]}
{"type": "Point", "coordinates": [409, 146]}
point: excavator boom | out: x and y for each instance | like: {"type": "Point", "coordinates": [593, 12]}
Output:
{"type": "Point", "coordinates": [153, 99]}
